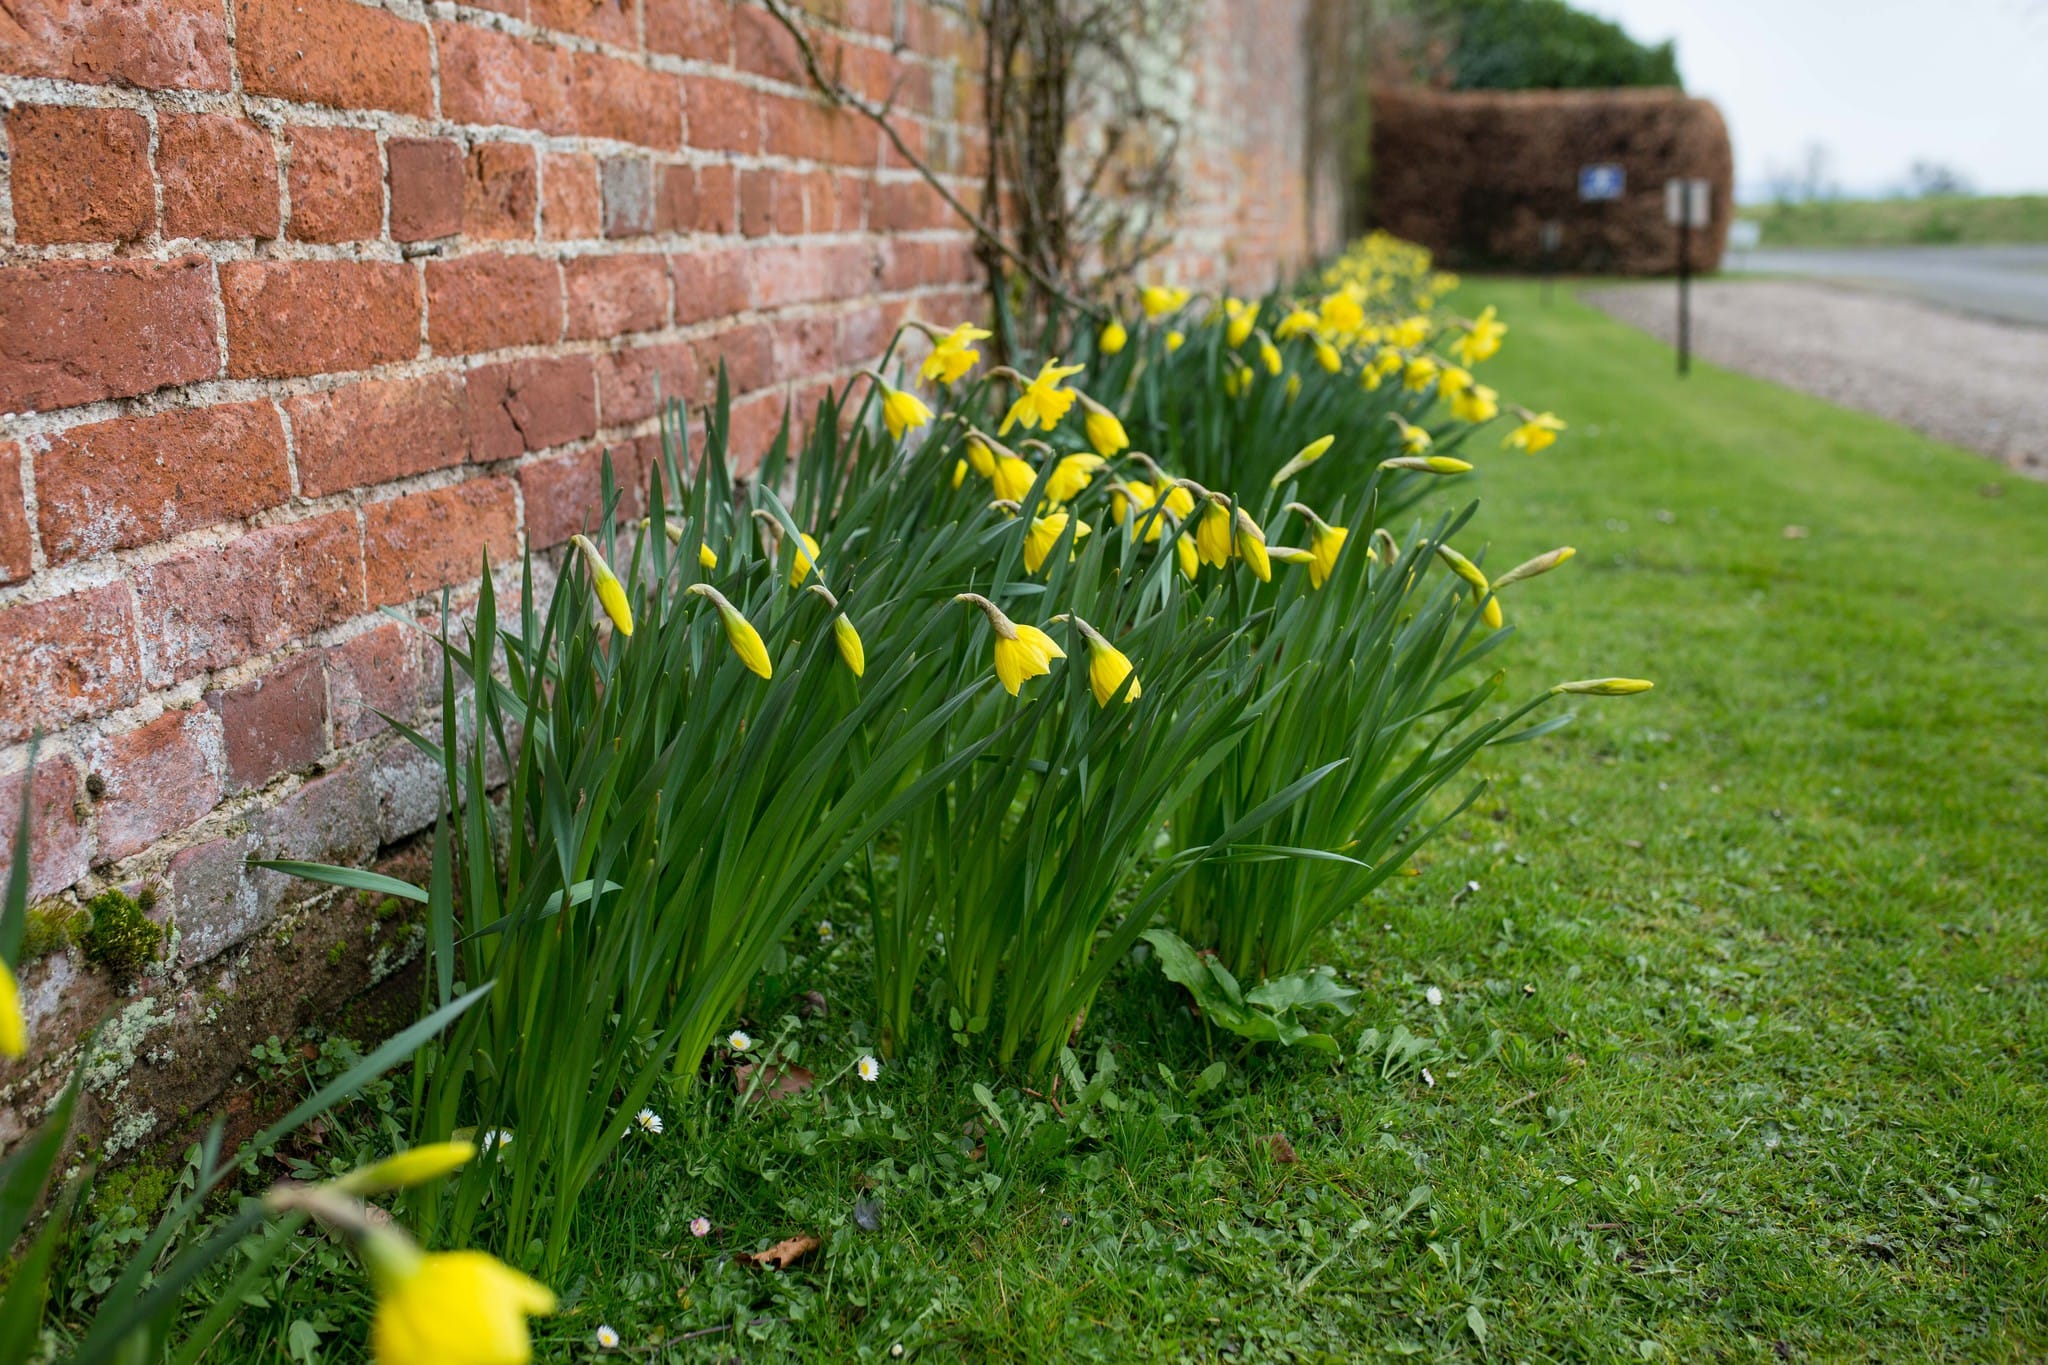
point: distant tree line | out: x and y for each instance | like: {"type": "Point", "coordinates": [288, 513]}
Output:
{"type": "Point", "coordinates": [1531, 45]}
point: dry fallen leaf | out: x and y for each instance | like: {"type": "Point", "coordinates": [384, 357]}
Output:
{"type": "Point", "coordinates": [1281, 1149]}
{"type": "Point", "coordinates": [780, 1255]}
{"type": "Point", "coordinates": [779, 1082]}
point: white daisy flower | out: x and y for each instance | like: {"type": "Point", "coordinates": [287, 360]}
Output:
{"type": "Point", "coordinates": [1428, 1079]}
{"type": "Point", "coordinates": [495, 1137]}
{"type": "Point", "coordinates": [649, 1121]}
{"type": "Point", "coordinates": [824, 931]}
{"type": "Point", "coordinates": [869, 1068]}
{"type": "Point", "coordinates": [1434, 996]}
{"type": "Point", "coordinates": [738, 1040]}
{"type": "Point", "coordinates": [607, 1339]}
{"type": "Point", "coordinates": [700, 1226]}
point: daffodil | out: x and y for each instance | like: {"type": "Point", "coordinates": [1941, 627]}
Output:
{"type": "Point", "coordinates": [1243, 317]}
{"type": "Point", "coordinates": [959, 472]}
{"type": "Point", "coordinates": [1324, 543]}
{"type": "Point", "coordinates": [902, 411]}
{"type": "Point", "coordinates": [739, 632]}
{"type": "Point", "coordinates": [1113, 338]}
{"type": "Point", "coordinates": [1269, 356]}
{"type": "Point", "coordinates": [1385, 364]}
{"type": "Point", "coordinates": [850, 648]}
{"type": "Point", "coordinates": [1105, 433]}
{"type": "Point", "coordinates": [611, 595]}
{"type": "Point", "coordinates": [1303, 458]}
{"type": "Point", "coordinates": [1605, 687]}
{"type": "Point", "coordinates": [1419, 374]}
{"type": "Point", "coordinates": [1536, 433]}
{"type": "Point", "coordinates": [1482, 340]}
{"type": "Point", "coordinates": [806, 558]}
{"type": "Point", "coordinates": [1476, 404]}
{"type": "Point", "coordinates": [1328, 357]}
{"type": "Point", "coordinates": [1293, 386]}
{"type": "Point", "coordinates": [1452, 381]}
{"type": "Point", "coordinates": [1075, 472]}
{"type": "Point", "coordinates": [403, 1170]}
{"type": "Point", "coordinates": [13, 1028]}
{"type": "Point", "coordinates": [1021, 652]}
{"type": "Point", "coordinates": [1043, 402]}
{"type": "Point", "coordinates": [1184, 551]}
{"type": "Point", "coordinates": [1175, 340]}
{"type": "Point", "coordinates": [1250, 545]}
{"type": "Point", "coordinates": [1129, 499]}
{"type": "Point", "coordinates": [1429, 464]}
{"type": "Point", "coordinates": [953, 354]}
{"type": "Point", "coordinates": [1542, 563]}
{"type": "Point", "coordinates": [1341, 314]}
{"type": "Point", "coordinates": [1410, 332]}
{"type": "Point", "coordinates": [1013, 477]}
{"type": "Point", "coordinates": [449, 1307]}
{"type": "Point", "coordinates": [1300, 322]}
{"type": "Point", "coordinates": [1482, 591]}
{"type": "Point", "coordinates": [1044, 534]}
{"type": "Point", "coordinates": [1414, 439]}
{"type": "Point", "coordinates": [980, 456]}
{"type": "Point", "coordinates": [1107, 667]}
{"type": "Point", "coordinates": [707, 559]}
{"type": "Point", "coordinates": [1212, 534]}
{"type": "Point", "coordinates": [1159, 299]}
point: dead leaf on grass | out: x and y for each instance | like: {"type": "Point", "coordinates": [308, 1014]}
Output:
{"type": "Point", "coordinates": [777, 1083]}
{"type": "Point", "coordinates": [1281, 1150]}
{"type": "Point", "coordinates": [783, 1253]}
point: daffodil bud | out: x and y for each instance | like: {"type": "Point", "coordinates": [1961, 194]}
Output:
{"type": "Point", "coordinates": [848, 640]}
{"type": "Point", "coordinates": [1542, 563]}
{"type": "Point", "coordinates": [1113, 338]}
{"type": "Point", "coordinates": [611, 594]}
{"type": "Point", "coordinates": [739, 632]}
{"type": "Point", "coordinates": [408, 1168]}
{"type": "Point", "coordinates": [1605, 687]}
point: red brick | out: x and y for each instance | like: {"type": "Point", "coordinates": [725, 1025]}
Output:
{"type": "Point", "coordinates": [626, 184]}
{"type": "Point", "coordinates": [137, 480]}
{"type": "Point", "coordinates": [757, 202]}
{"type": "Point", "coordinates": [313, 317]}
{"type": "Point", "coordinates": [500, 190]}
{"type": "Point", "coordinates": [495, 79]}
{"type": "Point", "coordinates": [710, 284]}
{"type": "Point", "coordinates": [219, 177]}
{"type": "Point", "coordinates": [424, 542]}
{"type": "Point", "coordinates": [691, 28]}
{"type": "Point", "coordinates": [383, 669]}
{"type": "Point", "coordinates": [337, 185]}
{"type": "Point", "coordinates": [763, 46]}
{"type": "Point", "coordinates": [155, 779]}
{"type": "Point", "coordinates": [483, 302]}
{"type": "Point", "coordinates": [75, 331]}
{"type": "Point", "coordinates": [273, 724]}
{"type": "Point", "coordinates": [747, 352]}
{"type": "Point", "coordinates": [906, 206]}
{"type": "Point", "coordinates": [717, 206]}
{"type": "Point", "coordinates": [608, 20]}
{"type": "Point", "coordinates": [336, 53]}
{"type": "Point", "coordinates": [755, 422]}
{"type": "Point", "coordinates": [569, 200]}
{"type": "Point", "coordinates": [565, 495]}
{"type": "Point", "coordinates": [59, 846]}
{"type": "Point", "coordinates": [612, 295]}
{"type": "Point", "coordinates": [527, 405]}
{"type": "Point", "coordinates": [210, 608]}
{"type": "Point", "coordinates": [809, 272]}
{"type": "Point", "coordinates": [377, 431]}
{"type": "Point", "coordinates": [17, 539]}
{"type": "Point", "coordinates": [723, 116]}
{"type": "Point", "coordinates": [806, 346]}
{"type": "Point", "coordinates": [154, 44]}
{"type": "Point", "coordinates": [632, 383]}
{"type": "Point", "coordinates": [426, 188]}
{"type": "Point", "coordinates": [66, 659]}
{"type": "Point", "coordinates": [626, 101]}
{"type": "Point", "coordinates": [80, 175]}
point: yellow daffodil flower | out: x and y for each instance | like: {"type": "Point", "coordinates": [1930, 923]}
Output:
{"type": "Point", "coordinates": [1013, 477]}
{"type": "Point", "coordinates": [1174, 341]}
{"type": "Point", "coordinates": [1043, 402]}
{"type": "Point", "coordinates": [1269, 356]}
{"type": "Point", "coordinates": [450, 1307]}
{"type": "Point", "coordinates": [1419, 374]}
{"type": "Point", "coordinates": [1411, 332]}
{"type": "Point", "coordinates": [1341, 314]}
{"type": "Point", "coordinates": [1105, 432]}
{"type": "Point", "coordinates": [981, 457]}
{"type": "Point", "coordinates": [13, 1028]}
{"type": "Point", "coordinates": [1184, 551]}
{"type": "Point", "coordinates": [1605, 687]}
{"type": "Point", "coordinates": [953, 354]}
{"type": "Point", "coordinates": [1324, 543]}
{"type": "Point", "coordinates": [1021, 652]}
{"type": "Point", "coordinates": [1537, 433]}
{"type": "Point", "coordinates": [1044, 534]}
{"type": "Point", "coordinates": [1158, 300]}
{"type": "Point", "coordinates": [739, 632]}
{"type": "Point", "coordinates": [903, 411]}
{"type": "Point", "coordinates": [850, 648]}
{"type": "Point", "coordinates": [1482, 340]}
{"type": "Point", "coordinates": [1129, 500]}
{"type": "Point", "coordinates": [1075, 472]}
{"type": "Point", "coordinates": [1452, 381]}
{"type": "Point", "coordinates": [959, 472]}
{"type": "Point", "coordinates": [1303, 458]}
{"type": "Point", "coordinates": [1250, 545]}
{"type": "Point", "coordinates": [1300, 322]}
{"type": "Point", "coordinates": [1243, 317]}
{"type": "Point", "coordinates": [1414, 439]}
{"type": "Point", "coordinates": [1386, 363]}
{"type": "Point", "coordinates": [1107, 667]}
{"type": "Point", "coordinates": [611, 594]}
{"type": "Point", "coordinates": [1329, 357]}
{"type": "Point", "coordinates": [1212, 534]}
{"type": "Point", "coordinates": [1113, 338]}
{"type": "Point", "coordinates": [1477, 404]}
{"type": "Point", "coordinates": [806, 557]}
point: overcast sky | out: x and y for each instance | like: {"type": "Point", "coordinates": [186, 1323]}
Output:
{"type": "Point", "coordinates": [1879, 83]}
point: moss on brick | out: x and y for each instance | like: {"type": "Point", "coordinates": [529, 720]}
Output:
{"type": "Point", "coordinates": [122, 938]}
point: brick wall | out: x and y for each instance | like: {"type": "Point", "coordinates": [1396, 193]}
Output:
{"type": "Point", "coordinates": [305, 304]}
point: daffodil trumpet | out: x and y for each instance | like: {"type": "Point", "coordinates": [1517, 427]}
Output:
{"type": "Point", "coordinates": [902, 411]}
{"type": "Point", "coordinates": [1324, 543]}
{"type": "Point", "coordinates": [1021, 652]}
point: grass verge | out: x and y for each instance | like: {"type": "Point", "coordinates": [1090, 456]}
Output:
{"type": "Point", "coordinates": [1939, 220]}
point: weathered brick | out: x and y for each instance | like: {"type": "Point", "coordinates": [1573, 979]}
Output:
{"type": "Point", "coordinates": [500, 191]}
{"type": "Point", "coordinates": [722, 115]}
{"type": "Point", "coordinates": [336, 53]}
{"type": "Point", "coordinates": [809, 272]}
{"type": "Point", "coordinates": [273, 724]}
{"type": "Point", "coordinates": [80, 175]}
{"type": "Point", "coordinates": [219, 177]}
{"type": "Point", "coordinates": [717, 203]}
{"type": "Point", "coordinates": [313, 317]}
{"type": "Point", "coordinates": [209, 608]}
{"type": "Point", "coordinates": [612, 295]}
{"type": "Point", "coordinates": [709, 284]}
{"type": "Point", "coordinates": [423, 542]}
{"type": "Point", "coordinates": [565, 494]}
{"type": "Point", "coordinates": [757, 201]}
{"type": "Point", "coordinates": [747, 352]}
{"type": "Point", "coordinates": [407, 788]}
{"type": "Point", "coordinates": [17, 538]}
{"type": "Point", "coordinates": [483, 302]}
{"type": "Point", "coordinates": [377, 431]}
{"type": "Point", "coordinates": [426, 188]}
{"type": "Point", "coordinates": [623, 100]}
{"type": "Point", "coordinates": [755, 422]}
{"type": "Point", "coordinates": [627, 183]}
{"type": "Point", "coordinates": [527, 405]}
{"type": "Point", "coordinates": [763, 46]}
{"type": "Point", "coordinates": [608, 20]}
{"type": "Point", "coordinates": [210, 890]}
{"type": "Point", "coordinates": [691, 28]}
{"type": "Point", "coordinates": [633, 383]}
{"type": "Point", "coordinates": [65, 659]}
{"type": "Point", "coordinates": [135, 480]}
{"type": "Point", "coordinates": [60, 846]}
{"type": "Point", "coordinates": [337, 185]}
{"type": "Point", "coordinates": [495, 79]}
{"type": "Point", "coordinates": [570, 205]}
{"type": "Point", "coordinates": [383, 669]}
{"type": "Point", "coordinates": [154, 44]}
{"type": "Point", "coordinates": [155, 779]}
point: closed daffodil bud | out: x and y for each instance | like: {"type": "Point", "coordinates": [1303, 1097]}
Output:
{"type": "Point", "coordinates": [1428, 464]}
{"type": "Point", "coordinates": [1303, 458]}
{"type": "Point", "coordinates": [1113, 338]}
{"type": "Point", "coordinates": [959, 472]}
{"type": "Point", "coordinates": [1329, 357]}
{"type": "Point", "coordinates": [739, 632]}
{"type": "Point", "coordinates": [1190, 560]}
{"type": "Point", "coordinates": [1542, 563]}
{"type": "Point", "coordinates": [1175, 340]}
{"type": "Point", "coordinates": [1325, 542]}
{"type": "Point", "coordinates": [1605, 687]}
{"type": "Point", "coordinates": [1269, 356]}
{"type": "Point", "coordinates": [403, 1170]}
{"type": "Point", "coordinates": [806, 558]}
{"type": "Point", "coordinates": [611, 594]}
{"type": "Point", "coordinates": [1250, 545]}
{"type": "Point", "coordinates": [1105, 432]}
{"type": "Point", "coordinates": [13, 1027]}
{"type": "Point", "coordinates": [1044, 534]}
{"type": "Point", "coordinates": [1107, 667]}
{"type": "Point", "coordinates": [1212, 534]}
{"type": "Point", "coordinates": [848, 639]}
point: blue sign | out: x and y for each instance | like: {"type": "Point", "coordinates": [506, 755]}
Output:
{"type": "Point", "coordinates": [1600, 181]}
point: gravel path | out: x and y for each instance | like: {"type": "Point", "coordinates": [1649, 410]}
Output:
{"type": "Point", "coordinates": [1972, 381]}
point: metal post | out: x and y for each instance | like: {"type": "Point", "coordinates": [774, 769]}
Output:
{"type": "Point", "coordinates": [1684, 294]}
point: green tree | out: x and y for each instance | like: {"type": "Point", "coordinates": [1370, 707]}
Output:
{"type": "Point", "coordinates": [1542, 45]}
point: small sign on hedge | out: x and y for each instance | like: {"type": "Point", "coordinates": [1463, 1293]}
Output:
{"type": "Point", "coordinates": [1601, 181]}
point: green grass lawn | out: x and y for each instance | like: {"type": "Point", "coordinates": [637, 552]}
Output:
{"type": "Point", "coordinates": [1739, 1050]}
{"type": "Point", "coordinates": [1905, 222]}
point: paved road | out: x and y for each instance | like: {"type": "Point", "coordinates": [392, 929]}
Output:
{"type": "Point", "coordinates": [2005, 282]}
{"type": "Point", "coordinates": [1970, 380]}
